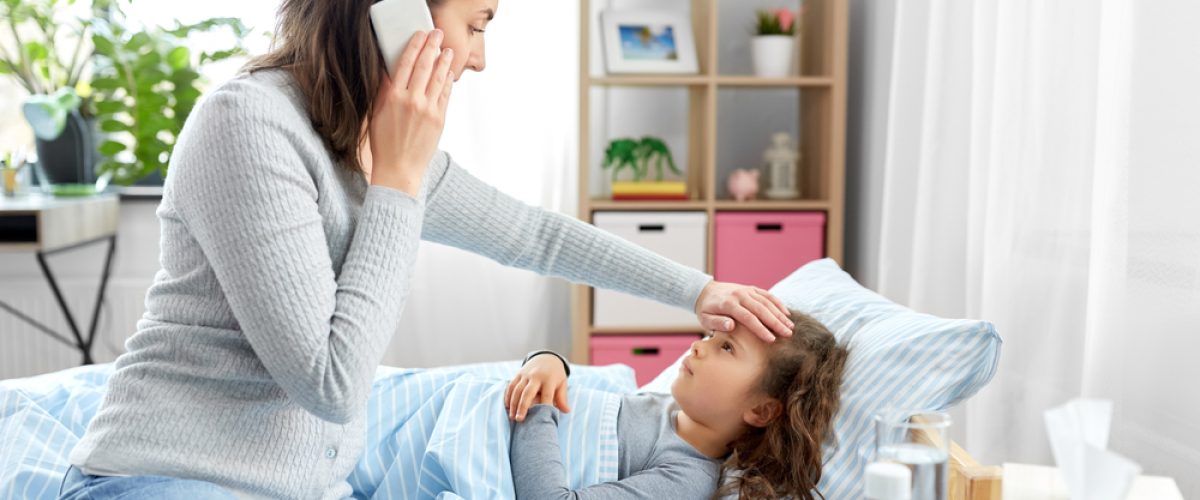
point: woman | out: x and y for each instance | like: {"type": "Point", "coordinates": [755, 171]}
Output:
{"type": "Point", "coordinates": [298, 194]}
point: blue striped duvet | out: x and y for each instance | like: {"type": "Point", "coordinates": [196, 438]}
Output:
{"type": "Point", "coordinates": [440, 433]}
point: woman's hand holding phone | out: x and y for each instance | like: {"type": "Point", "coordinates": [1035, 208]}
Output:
{"type": "Point", "coordinates": [410, 112]}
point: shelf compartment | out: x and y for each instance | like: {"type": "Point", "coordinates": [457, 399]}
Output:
{"type": "Point", "coordinates": [761, 248]}
{"type": "Point", "coordinates": [747, 118]}
{"type": "Point", "coordinates": [679, 236]}
{"type": "Point", "coordinates": [735, 31]}
{"type": "Point", "coordinates": [677, 115]}
{"type": "Point", "coordinates": [648, 355]}
{"type": "Point", "coordinates": [702, 25]}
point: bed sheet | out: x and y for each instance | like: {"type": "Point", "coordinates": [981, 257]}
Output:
{"type": "Point", "coordinates": [431, 433]}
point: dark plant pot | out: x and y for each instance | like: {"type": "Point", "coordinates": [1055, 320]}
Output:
{"type": "Point", "coordinates": [71, 157]}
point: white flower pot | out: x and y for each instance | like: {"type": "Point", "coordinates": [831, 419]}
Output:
{"type": "Point", "coordinates": [773, 55]}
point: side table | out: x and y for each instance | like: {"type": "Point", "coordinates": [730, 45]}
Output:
{"type": "Point", "coordinates": [47, 225]}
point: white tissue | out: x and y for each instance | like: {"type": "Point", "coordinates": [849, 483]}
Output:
{"type": "Point", "coordinates": [1078, 434]}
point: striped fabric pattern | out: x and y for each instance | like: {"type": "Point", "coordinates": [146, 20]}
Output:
{"type": "Point", "coordinates": [439, 433]}
{"type": "Point", "coordinates": [898, 359]}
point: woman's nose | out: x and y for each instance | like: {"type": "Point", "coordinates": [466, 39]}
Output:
{"type": "Point", "coordinates": [477, 61]}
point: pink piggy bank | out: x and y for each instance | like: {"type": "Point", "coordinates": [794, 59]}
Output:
{"type": "Point", "coordinates": [743, 184]}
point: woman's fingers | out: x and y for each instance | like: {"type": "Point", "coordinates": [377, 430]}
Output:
{"type": "Point", "coordinates": [419, 81]}
{"type": "Point", "coordinates": [444, 100]}
{"type": "Point", "coordinates": [778, 305]}
{"type": "Point", "coordinates": [441, 73]}
{"type": "Point", "coordinates": [408, 58]}
{"type": "Point", "coordinates": [750, 319]}
{"type": "Point", "coordinates": [717, 322]}
{"type": "Point", "coordinates": [769, 314]}
{"type": "Point", "coordinates": [774, 300]}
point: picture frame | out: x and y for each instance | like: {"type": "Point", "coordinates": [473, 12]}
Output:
{"type": "Point", "coordinates": [648, 42]}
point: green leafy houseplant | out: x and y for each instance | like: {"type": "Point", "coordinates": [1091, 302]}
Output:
{"type": "Point", "coordinates": [37, 63]}
{"type": "Point", "coordinates": [637, 155]}
{"type": "Point", "coordinates": [146, 82]}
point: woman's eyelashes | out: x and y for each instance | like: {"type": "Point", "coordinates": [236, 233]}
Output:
{"type": "Point", "coordinates": [473, 30]}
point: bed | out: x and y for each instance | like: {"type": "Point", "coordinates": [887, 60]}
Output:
{"type": "Point", "coordinates": [442, 433]}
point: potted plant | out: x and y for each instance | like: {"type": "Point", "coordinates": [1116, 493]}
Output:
{"type": "Point", "coordinates": [146, 82]}
{"type": "Point", "coordinates": [774, 41]}
{"type": "Point", "coordinates": [42, 36]}
{"type": "Point", "coordinates": [637, 156]}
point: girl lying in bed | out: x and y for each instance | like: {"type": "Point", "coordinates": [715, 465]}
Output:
{"type": "Point", "coordinates": [739, 404]}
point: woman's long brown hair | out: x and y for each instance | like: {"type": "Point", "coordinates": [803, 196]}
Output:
{"type": "Point", "coordinates": [330, 50]}
{"type": "Point", "coordinates": [804, 372]}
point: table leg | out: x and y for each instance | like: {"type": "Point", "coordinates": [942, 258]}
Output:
{"type": "Point", "coordinates": [84, 345]}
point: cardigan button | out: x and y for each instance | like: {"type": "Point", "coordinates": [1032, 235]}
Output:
{"type": "Point", "coordinates": [330, 453]}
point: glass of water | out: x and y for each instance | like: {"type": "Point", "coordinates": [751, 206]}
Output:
{"type": "Point", "coordinates": [920, 441]}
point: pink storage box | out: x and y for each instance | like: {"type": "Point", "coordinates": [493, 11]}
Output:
{"type": "Point", "coordinates": [761, 248]}
{"type": "Point", "coordinates": [648, 355]}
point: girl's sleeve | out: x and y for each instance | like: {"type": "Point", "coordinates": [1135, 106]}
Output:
{"type": "Point", "coordinates": [538, 471]}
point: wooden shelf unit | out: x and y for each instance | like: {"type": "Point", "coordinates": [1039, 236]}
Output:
{"type": "Point", "coordinates": [822, 87]}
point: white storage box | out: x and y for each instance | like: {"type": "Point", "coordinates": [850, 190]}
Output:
{"type": "Point", "coordinates": [679, 236]}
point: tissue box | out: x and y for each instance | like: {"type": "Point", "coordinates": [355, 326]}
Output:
{"type": "Point", "coordinates": [1038, 482]}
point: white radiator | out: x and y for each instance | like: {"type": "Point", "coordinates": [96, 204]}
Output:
{"type": "Point", "coordinates": [26, 351]}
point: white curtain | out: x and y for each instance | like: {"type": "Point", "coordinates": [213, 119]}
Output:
{"type": "Point", "coordinates": [1036, 167]}
{"type": "Point", "coordinates": [514, 126]}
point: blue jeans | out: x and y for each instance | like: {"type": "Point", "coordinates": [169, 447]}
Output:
{"type": "Point", "coordinates": [77, 485]}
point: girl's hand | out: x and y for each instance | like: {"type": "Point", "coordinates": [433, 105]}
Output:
{"type": "Point", "coordinates": [410, 112]}
{"type": "Point", "coordinates": [720, 304]}
{"type": "Point", "coordinates": [542, 380]}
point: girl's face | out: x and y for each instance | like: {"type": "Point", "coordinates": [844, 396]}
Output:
{"type": "Point", "coordinates": [463, 22]}
{"type": "Point", "coordinates": [720, 380]}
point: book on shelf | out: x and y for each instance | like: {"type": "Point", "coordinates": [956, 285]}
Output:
{"type": "Point", "coordinates": [656, 188]}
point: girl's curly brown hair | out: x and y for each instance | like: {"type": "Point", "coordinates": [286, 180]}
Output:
{"type": "Point", "coordinates": [804, 373]}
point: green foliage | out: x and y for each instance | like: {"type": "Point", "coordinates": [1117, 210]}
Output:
{"type": "Point", "coordinates": [769, 23]}
{"type": "Point", "coordinates": [637, 156]}
{"type": "Point", "coordinates": [35, 63]}
{"type": "Point", "coordinates": [146, 82]}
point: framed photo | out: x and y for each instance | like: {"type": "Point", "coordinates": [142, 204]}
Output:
{"type": "Point", "coordinates": [639, 41]}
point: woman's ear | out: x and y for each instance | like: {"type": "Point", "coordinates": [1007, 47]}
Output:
{"type": "Point", "coordinates": [763, 413]}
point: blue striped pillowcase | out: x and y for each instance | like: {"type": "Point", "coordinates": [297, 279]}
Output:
{"type": "Point", "coordinates": [898, 359]}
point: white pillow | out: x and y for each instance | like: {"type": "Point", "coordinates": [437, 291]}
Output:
{"type": "Point", "coordinates": [898, 359]}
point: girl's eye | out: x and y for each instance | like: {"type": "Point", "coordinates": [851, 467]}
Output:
{"type": "Point", "coordinates": [708, 336]}
{"type": "Point", "coordinates": [727, 346]}
{"type": "Point", "coordinates": [475, 30]}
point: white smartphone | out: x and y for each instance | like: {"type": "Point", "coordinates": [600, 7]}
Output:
{"type": "Point", "coordinates": [395, 22]}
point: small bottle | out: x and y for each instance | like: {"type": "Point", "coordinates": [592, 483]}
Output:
{"type": "Point", "coordinates": [887, 481]}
